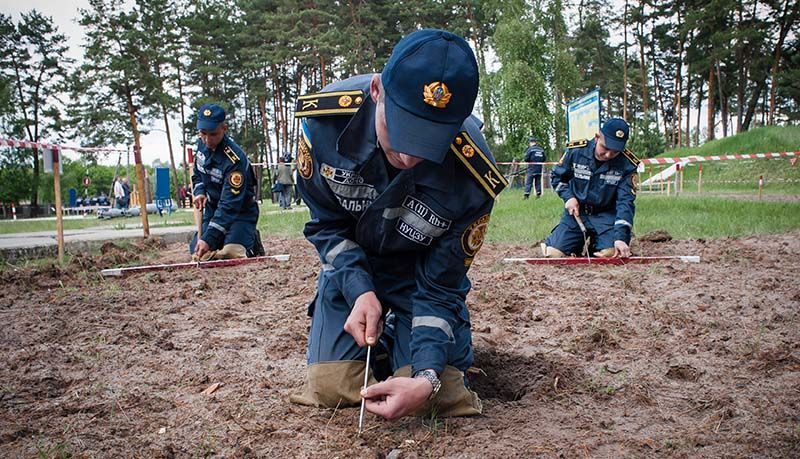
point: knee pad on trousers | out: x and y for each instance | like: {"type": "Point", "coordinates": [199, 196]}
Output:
{"type": "Point", "coordinates": [230, 251]}
{"type": "Point", "coordinates": [332, 384]}
{"type": "Point", "coordinates": [552, 252]}
{"type": "Point", "coordinates": [453, 399]}
{"type": "Point", "coordinates": [605, 253]}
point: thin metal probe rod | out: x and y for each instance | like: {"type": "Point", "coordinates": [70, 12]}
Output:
{"type": "Point", "coordinates": [363, 400]}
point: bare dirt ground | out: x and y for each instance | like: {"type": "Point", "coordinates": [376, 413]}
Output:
{"type": "Point", "coordinates": [675, 360]}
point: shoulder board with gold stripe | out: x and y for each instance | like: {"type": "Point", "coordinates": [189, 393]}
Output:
{"type": "Point", "coordinates": [329, 103]}
{"type": "Point", "coordinates": [478, 164]}
{"type": "Point", "coordinates": [230, 154]}
{"type": "Point", "coordinates": [631, 157]}
{"type": "Point", "coordinates": [577, 143]}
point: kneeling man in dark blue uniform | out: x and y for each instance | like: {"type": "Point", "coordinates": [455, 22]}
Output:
{"type": "Point", "coordinates": [224, 187]}
{"type": "Point", "coordinates": [400, 184]}
{"type": "Point", "coordinates": [597, 181]}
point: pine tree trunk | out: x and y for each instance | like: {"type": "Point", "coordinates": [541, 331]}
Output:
{"type": "Point", "coordinates": [183, 128]}
{"type": "Point", "coordinates": [699, 108]}
{"type": "Point", "coordinates": [711, 103]}
{"type": "Point", "coordinates": [625, 64]}
{"type": "Point", "coordinates": [723, 103]}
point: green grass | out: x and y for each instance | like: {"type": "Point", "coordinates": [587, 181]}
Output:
{"type": "Point", "coordinates": [30, 226]}
{"type": "Point", "coordinates": [515, 220]}
{"type": "Point", "coordinates": [283, 224]}
{"type": "Point", "coordinates": [742, 175]}
{"type": "Point", "coordinates": [762, 140]}
{"type": "Point", "coordinates": [684, 217]}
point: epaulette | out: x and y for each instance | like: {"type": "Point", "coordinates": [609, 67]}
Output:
{"type": "Point", "coordinates": [230, 154]}
{"type": "Point", "coordinates": [631, 157]}
{"type": "Point", "coordinates": [329, 103]}
{"type": "Point", "coordinates": [478, 164]}
{"type": "Point", "coordinates": [577, 143]}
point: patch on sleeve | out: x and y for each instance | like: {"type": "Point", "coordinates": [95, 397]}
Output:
{"type": "Point", "coordinates": [236, 179]}
{"type": "Point", "coordinates": [329, 103]}
{"type": "Point", "coordinates": [305, 165]}
{"type": "Point", "coordinates": [634, 183]}
{"type": "Point", "coordinates": [472, 239]}
{"type": "Point", "coordinates": [478, 164]}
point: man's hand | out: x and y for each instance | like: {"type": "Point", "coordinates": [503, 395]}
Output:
{"type": "Point", "coordinates": [621, 249]}
{"type": "Point", "coordinates": [397, 397]}
{"type": "Point", "coordinates": [199, 201]}
{"type": "Point", "coordinates": [363, 323]}
{"type": "Point", "coordinates": [201, 248]}
{"type": "Point", "coordinates": [572, 206]}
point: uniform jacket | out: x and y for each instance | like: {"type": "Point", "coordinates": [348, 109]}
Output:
{"type": "Point", "coordinates": [535, 154]}
{"type": "Point", "coordinates": [605, 189]}
{"type": "Point", "coordinates": [370, 222]}
{"type": "Point", "coordinates": [225, 177]}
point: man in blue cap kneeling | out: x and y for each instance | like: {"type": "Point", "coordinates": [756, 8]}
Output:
{"type": "Point", "coordinates": [224, 187]}
{"type": "Point", "coordinates": [400, 184]}
{"type": "Point", "coordinates": [597, 180]}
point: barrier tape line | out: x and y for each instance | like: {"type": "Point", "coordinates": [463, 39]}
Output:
{"type": "Point", "coordinates": [51, 146]}
{"type": "Point", "coordinates": [691, 159]}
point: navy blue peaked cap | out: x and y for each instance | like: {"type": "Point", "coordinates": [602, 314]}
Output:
{"type": "Point", "coordinates": [430, 85]}
{"type": "Point", "coordinates": [616, 132]}
{"type": "Point", "coordinates": [209, 116]}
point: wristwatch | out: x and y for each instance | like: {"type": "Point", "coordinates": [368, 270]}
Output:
{"type": "Point", "coordinates": [430, 375]}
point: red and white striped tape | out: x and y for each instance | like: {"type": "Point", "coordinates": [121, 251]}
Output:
{"type": "Point", "coordinates": [689, 159]}
{"type": "Point", "coordinates": [697, 159]}
{"type": "Point", "coordinates": [50, 146]}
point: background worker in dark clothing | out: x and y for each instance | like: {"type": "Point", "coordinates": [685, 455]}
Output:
{"type": "Point", "coordinates": [533, 178]}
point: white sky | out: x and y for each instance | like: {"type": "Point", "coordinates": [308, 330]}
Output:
{"type": "Point", "coordinates": [65, 16]}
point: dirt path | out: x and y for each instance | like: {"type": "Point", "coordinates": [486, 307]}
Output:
{"type": "Point", "coordinates": [634, 361]}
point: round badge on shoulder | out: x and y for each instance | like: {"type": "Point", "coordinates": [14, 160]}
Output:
{"type": "Point", "coordinates": [236, 179]}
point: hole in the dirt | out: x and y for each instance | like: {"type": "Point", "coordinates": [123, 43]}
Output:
{"type": "Point", "coordinates": [509, 377]}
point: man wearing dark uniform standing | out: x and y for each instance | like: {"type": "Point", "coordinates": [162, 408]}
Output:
{"type": "Point", "coordinates": [400, 184]}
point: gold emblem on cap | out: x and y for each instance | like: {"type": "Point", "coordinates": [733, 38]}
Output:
{"type": "Point", "coordinates": [459, 141]}
{"type": "Point", "coordinates": [619, 133]}
{"type": "Point", "coordinates": [436, 94]}
{"type": "Point", "coordinates": [359, 99]}
{"type": "Point", "coordinates": [468, 151]}
{"type": "Point", "coordinates": [345, 101]}
{"type": "Point", "coordinates": [206, 112]}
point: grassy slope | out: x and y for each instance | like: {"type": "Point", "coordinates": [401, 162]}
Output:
{"type": "Point", "coordinates": [742, 175]}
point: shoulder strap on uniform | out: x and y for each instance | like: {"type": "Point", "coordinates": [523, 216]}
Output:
{"type": "Point", "coordinates": [483, 170]}
{"type": "Point", "coordinates": [631, 157]}
{"type": "Point", "coordinates": [231, 154]}
{"type": "Point", "coordinates": [329, 103]}
{"type": "Point", "coordinates": [577, 143]}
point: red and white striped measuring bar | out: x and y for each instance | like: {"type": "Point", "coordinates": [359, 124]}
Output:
{"type": "Point", "coordinates": [50, 146]}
